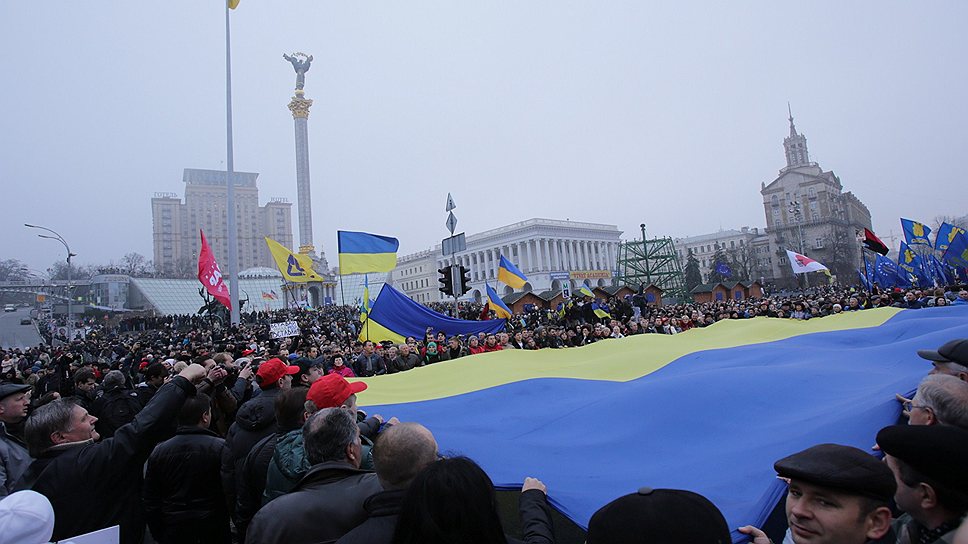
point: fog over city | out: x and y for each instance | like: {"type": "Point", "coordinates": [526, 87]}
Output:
{"type": "Point", "coordinates": [622, 112]}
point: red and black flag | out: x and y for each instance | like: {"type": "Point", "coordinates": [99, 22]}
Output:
{"type": "Point", "coordinates": [873, 243]}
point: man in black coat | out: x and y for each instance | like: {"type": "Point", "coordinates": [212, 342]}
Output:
{"type": "Point", "coordinates": [401, 452]}
{"type": "Point", "coordinates": [93, 485]}
{"type": "Point", "coordinates": [184, 501]}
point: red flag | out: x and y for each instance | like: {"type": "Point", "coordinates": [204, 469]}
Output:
{"type": "Point", "coordinates": [874, 243]}
{"type": "Point", "coordinates": [485, 312]}
{"type": "Point", "coordinates": [210, 275]}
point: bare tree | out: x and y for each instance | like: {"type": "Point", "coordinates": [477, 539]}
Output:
{"type": "Point", "coordinates": [13, 270]}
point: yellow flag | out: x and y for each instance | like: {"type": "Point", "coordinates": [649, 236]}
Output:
{"type": "Point", "coordinates": [294, 267]}
{"type": "Point", "coordinates": [233, 4]}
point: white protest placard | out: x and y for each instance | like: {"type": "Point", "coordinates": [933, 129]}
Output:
{"type": "Point", "coordinates": [284, 329]}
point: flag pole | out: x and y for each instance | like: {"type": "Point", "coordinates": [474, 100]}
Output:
{"type": "Point", "coordinates": [342, 295]}
{"type": "Point", "coordinates": [229, 181]}
{"type": "Point", "coordinates": [366, 303]}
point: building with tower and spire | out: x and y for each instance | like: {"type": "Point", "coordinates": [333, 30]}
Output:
{"type": "Point", "coordinates": [315, 293]}
{"type": "Point", "coordinates": [807, 211]}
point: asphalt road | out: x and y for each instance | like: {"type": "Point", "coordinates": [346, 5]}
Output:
{"type": "Point", "coordinates": [15, 335]}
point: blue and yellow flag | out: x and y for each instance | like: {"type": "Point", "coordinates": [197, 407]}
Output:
{"type": "Point", "coordinates": [233, 4]}
{"type": "Point", "coordinates": [360, 253]}
{"type": "Point", "coordinates": [394, 317]}
{"type": "Point", "coordinates": [912, 264]}
{"type": "Point", "coordinates": [510, 275]}
{"type": "Point", "coordinates": [957, 253]}
{"type": "Point", "coordinates": [704, 431]}
{"type": "Point", "coordinates": [600, 310]}
{"type": "Point", "coordinates": [501, 309]}
{"type": "Point", "coordinates": [915, 232]}
{"type": "Point", "coordinates": [295, 267]}
{"type": "Point", "coordinates": [584, 290]}
{"type": "Point", "coordinates": [946, 234]}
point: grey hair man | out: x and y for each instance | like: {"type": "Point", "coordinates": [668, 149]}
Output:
{"type": "Point", "coordinates": [328, 502]}
{"type": "Point", "coordinates": [400, 453]}
{"type": "Point", "coordinates": [96, 484]}
{"type": "Point", "coordinates": [940, 399]}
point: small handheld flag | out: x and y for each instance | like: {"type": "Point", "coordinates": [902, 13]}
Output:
{"type": "Point", "coordinates": [509, 274]}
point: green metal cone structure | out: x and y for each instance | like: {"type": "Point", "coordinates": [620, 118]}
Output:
{"type": "Point", "coordinates": [652, 261]}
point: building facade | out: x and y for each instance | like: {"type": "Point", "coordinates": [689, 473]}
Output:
{"type": "Point", "coordinates": [549, 252]}
{"type": "Point", "coordinates": [175, 224]}
{"type": "Point", "coordinates": [747, 251]}
{"type": "Point", "coordinates": [807, 211]}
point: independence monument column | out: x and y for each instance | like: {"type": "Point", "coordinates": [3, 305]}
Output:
{"type": "Point", "coordinates": [299, 106]}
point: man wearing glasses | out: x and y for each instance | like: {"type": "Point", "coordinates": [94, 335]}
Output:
{"type": "Point", "coordinates": [940, 400]}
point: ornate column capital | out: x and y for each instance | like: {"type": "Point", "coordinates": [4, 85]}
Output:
{"type": "Point", "coordinates": [299, 106]}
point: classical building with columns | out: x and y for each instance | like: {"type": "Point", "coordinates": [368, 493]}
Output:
{"type": "Point", "coordinates": [549, 252]}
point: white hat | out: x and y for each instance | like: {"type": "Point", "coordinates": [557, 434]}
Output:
{"type": "Point", "coordinates": [26, 517]}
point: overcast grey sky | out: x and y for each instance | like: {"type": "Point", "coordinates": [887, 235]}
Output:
{"type": "Point", "coordinates": [667, 113]}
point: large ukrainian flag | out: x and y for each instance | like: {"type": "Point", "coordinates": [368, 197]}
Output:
{"type": "Point", "coordinates": [707, 410]}
{"type": "Point", "coordinates": [361, 253]}
{"type": "Point", "coordinates": [394, 317]}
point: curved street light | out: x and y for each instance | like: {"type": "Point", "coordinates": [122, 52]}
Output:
{"type": "Point", "coordinates": [70, 291]}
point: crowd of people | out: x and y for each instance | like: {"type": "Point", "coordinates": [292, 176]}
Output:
{"type": "Point", "coordinates": [200, 433]}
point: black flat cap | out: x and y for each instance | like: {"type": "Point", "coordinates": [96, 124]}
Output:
{"type": "Point", "coordinates": [840, 467]}
{"type": "Point", "coordinates": [939, 452]}
{"type": "Point", "coordinates": [659, 514]}
{"type": "Point", "coordinates": [955, 351]}
{"type": "Point", "coordinates": [7, 389]}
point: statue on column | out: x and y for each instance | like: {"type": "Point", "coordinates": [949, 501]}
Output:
{"type": "Point", "coordinates": [300, 63]}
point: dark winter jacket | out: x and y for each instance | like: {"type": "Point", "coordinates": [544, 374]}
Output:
{"type": "Point", "coordinates": [382, 511]}
{"type": "Point", "coordinates": [96, 485]}
{"type": "Point", "coordinates": [254, 421]}
{"type": "Point", "coordinates": [182, 484]}
{"type": "Point", "coordinates": [287, 466]}
{"type": "Point", "coordinates": [325, 505]}
{"type": "Point", "coordinates": [114, 408]}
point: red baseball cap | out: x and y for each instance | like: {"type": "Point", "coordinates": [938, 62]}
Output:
{"type": "Point", "coordinates": [332, 390]}
{"type": "Point", "coordinates": [274, 369]}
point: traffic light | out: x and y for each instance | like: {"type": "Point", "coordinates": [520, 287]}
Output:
{"type": "Point", "coordinates": [446, 282]}
{"type": "Point", "coordinates": [465, 280]}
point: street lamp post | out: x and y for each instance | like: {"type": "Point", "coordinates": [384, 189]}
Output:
{"type": "Point", "coordinates": [798, 214]}
{"type": "Point", "coordinates": [70, 291]}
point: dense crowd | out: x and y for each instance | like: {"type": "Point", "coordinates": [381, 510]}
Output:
{"type": "Point", "coordinates": [201, 433]}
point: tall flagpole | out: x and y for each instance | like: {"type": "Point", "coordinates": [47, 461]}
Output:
{"type": "Point", "coordinates": [229, 179]}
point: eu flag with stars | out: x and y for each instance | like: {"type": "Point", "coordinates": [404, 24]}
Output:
{"type": "Point", "coordinates": [885, 272]}
{"type": "Point", "coordinates": [724, 270]}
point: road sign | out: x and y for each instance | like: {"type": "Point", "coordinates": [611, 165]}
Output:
{"type": "Point", "coordinates": [452, 245]}
{"type": "Point", "coordinates": [451, 222]}
{"type": "Point", "coordinates": [450, 203]}
{"type": "Point", "coordinates": [566, 291]}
